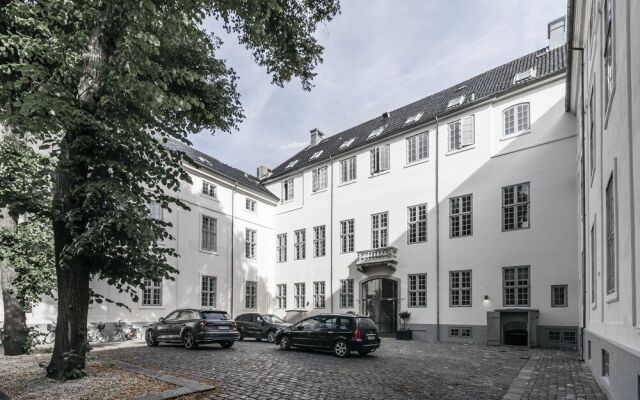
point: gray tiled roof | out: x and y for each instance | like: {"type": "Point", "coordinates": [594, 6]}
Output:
{"type": "Point", "coordinates": [492, 83]}
{"type": "Point", "coordinates": [206, 161]}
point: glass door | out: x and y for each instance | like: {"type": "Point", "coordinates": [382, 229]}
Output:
{"type": "Point", "coordinates": [380, 303]}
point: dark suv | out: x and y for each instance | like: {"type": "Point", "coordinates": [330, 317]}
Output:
{"type": "Point", "coordinates": [340, 333]}
{"type": "Point", "coordinates": [192, 327]}
{"type": "Point", "coordinates": [259, 326]}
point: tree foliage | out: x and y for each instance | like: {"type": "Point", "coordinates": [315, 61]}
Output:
{"type": "Point", "coordinates": [105, 85]}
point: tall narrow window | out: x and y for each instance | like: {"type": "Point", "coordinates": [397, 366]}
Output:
{"type": "Point", "coordinates": [152, 292]}
{"type": "Point", "coordinates": [209, 234]}
{"type": "Point", "coordinates": [346, 293]}
{"type": "Point", "coordinates": [287, 189]}
{"type": "Point", "coordinates": [608, 51]}
{"type": "Point", "coordinates": [155, 210]}
{"type": "Point", "coordinates": [348, 170]}
{"type": "Point", "coordinates": [379, 159]}
{"type": "Point", "coordinates": [250, 294]}
{"type": "Point", "coordinates": [592, 133]}
{"type": "Point", "coordinates": [300, 244]}
{"type": "Point", "coordinates": [460, 288]}
{"type": "Point", "coordinates": [515, 207]}
{"type": "Point", "coordinates": [462, 133]}
{"type": "Point", "coordinates": [417, 220]}
{"type": "Point", "coordinates": [605, 363]}
{"type": "Point", "coordinates": [299, 295]}
{"type": "Point", "coordinates": [516, 119]}
{"type": "Point", "coordinates": [282, 247]}
{"type": "Point", "coordinates": [516, 286]}
{"type": "Point", "coordinates": [379, 230]}
{"type": "Point", "coordinates": [594, 271]}
{"type": "Point", "coordinates": [250, 204]}
{"type": "Point", "coordinates": [319, 179]}
{"type": "Point", "coordinates": [318, 295]}
{"type": "Point", "coordinates": [319, 241]}
{"type": "Point", "coordinates": [209, 189]}
{"type": "Point", "coordinates": [281, 297]}
{"type": "Point", "coordinates": [250, 244]}
{"type": "Point", "coordinates": [418, 290]}
{"type": "Point", "coordinates": [347, 236]}
{"type": "Point", "coordinates": [611, 237]}
{"type": "Point", "coordinates": [418, 147]}
{"type": "Point", "coordinates": [460, 216]}
{"type": "Point", "coordinates": [208, 293]}
{"type": "Point", "coordinates": [558, 295]}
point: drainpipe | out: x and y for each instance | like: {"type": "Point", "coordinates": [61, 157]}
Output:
{"type": "Point", "coordinates": [233, 233]}
{"type": "Point", "coordinates": [331, 238]}
{"type": "Point", "coordinates": [437, 241]}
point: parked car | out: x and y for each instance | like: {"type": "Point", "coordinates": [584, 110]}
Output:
{"type": "Point", "coordinates": [340, 333]}
{"type": "Point", "coordinates": [260, 326]}
{"type": "Point", "coordinates": [192, 327]}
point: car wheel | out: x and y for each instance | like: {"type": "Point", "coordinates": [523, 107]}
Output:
{"type": "Point", "coordinates": [285, 343]}
{"type": "Point", "coordinates": [189, 341]}
{"type": "Point", "coordinates": [226, 345]}
{"type": "Point", "coordinates": [241, 335]}
{"type": "Point", "coordinates": [364, 352]}
{"type": "Point", "coordinates": [271, 337]}
{"type": "Point", "coordinates": [150, 338]}
{"type": "Point", "coordinates": [340, 348]}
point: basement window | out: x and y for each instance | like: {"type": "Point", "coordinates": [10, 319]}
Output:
{"type": "Point", "coordinates": [456, 101]}
{"type": "Point", "coordinates": [524, 75]}
{"type": "Point", "coordinates": [346, 144]}
{"type": "Point", "coordinates": [376, 132]}
{"type": "Point", "coordinates": [413, 119]}
{"type": "Point", "coordinates": [316, 155]}
{"type": "Point", "coordinates": [291, 164]}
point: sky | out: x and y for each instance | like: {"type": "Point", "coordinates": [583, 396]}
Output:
{"type": "Point", "coordinates": [379, 55]}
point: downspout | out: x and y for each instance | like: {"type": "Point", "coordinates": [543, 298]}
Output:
{"type": "Point", "coordinates": [582, 205]}
{"type": "Point", "coordinates": [437, 241]}
{"type": "Point", "coordinates": [233, 233]}
{"type": "Point", "coordinates": [331, 238]}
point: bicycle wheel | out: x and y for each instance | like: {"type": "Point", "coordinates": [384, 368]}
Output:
{"type": "Point", "coordinates": [50, 338]}
{"type": "Point", "coordinates": [101, 336]}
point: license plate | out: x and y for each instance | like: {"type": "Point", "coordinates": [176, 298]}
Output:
{"type": "Point", "coordinates": [223, 327]}
{"type": "Point", "coordinates": [371, 337]}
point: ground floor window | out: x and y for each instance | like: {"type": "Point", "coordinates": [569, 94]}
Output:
{"type": "Point", "coordinates": [299, 294]}
{"type": "Point", "coordinates": [461, 332]}
{"type": "Point", "coordinates": [251, 294]}
{"type": "Point", "coordinates": [561, 336]}
{"type": "Point", "coordinates": [152, 292]}
{"type": "Point", "coordinates": [589, 349]}
{"type": "Point", "coordinates": [346, 293]}
{"type": "Point", "coordinates": [558, 295]}
{"type": "Point", "coordinates": [208, 291]}
{"type": "Point", "coordinates": [318, 295]}
{"type": "Point", "coordinates": [281, 298]}
{"type": "Point", "coordinates": [605, 363]}
{"type": "Point", "coordinates": [418, 290]}
{"type": "Point", "coordinates": [516, 286]}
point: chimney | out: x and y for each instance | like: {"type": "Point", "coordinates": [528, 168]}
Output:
{"type": "Point", "coordinates": [316, 136]}
{"type": "Point", "coordinates": [556, 32]}
{"type": "Point", "coordinates": [386, 115]}
{"type": "Point", "coordinates": [263, 172]}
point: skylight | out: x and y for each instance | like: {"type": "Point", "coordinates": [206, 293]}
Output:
{"type": "Point", "coordinates": [291, 164]}
{"type": "Point", "coordinates": [204, 160]}
{"type": "Point", "coordinates": [414, 118]}
{"type": "Point", "coordinates": [346, 144]}
{"type": "Point", "coordinates": [376, 132]}
{"type": "Point", "coordinates": [524, 75]}
{"type": "Point", "coordinates": [456, 101]}
{"type": "Point", "coordinates": [316, 155]}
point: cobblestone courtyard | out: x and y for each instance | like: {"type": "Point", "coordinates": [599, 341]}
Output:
{"type": "Point", "coordinates": [399, 370]}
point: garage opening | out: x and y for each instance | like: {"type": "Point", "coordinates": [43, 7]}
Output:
{"type": "Point", "coordinates": [515, 333]}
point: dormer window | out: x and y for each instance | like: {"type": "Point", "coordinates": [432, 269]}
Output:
{"type": "Point", "coordinates": [376, 132]}
{"type": "Point", "coordinates": [203, 160]}
{"type": "Point", "coordinates": [291, 164]}
{"type": "Point", "coordinates": [316, 155]}
{"type": "Point", "coordinates": [346, 144]}
{"type": "Point", "coordinates": [524, 75]}
{"type": "Point", "coordinates": [413, 119]}
{"type": "Point", "coordinates": [455, 102]}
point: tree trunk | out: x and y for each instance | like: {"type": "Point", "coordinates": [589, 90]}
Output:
{"type": "Point", "coordinates": [15, 321]}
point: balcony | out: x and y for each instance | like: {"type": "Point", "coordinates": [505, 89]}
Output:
{"type": "Point", "coordinates": [383, 257]}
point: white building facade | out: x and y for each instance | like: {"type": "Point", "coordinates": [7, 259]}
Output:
{"type": "Point", "coordinates": [604, 87]}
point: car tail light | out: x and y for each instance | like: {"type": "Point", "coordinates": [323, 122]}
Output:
{"type": "Point", "coordinates": [234, 325]}
{"type": "Point", "coordinates": [357, 335]}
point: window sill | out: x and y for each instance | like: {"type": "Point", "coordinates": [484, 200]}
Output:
{"type": "Point", "coordinates": [347, 183]}
{"type": "Point", "coordinates": [319, 191]}
{"type": "Point", "coordinates": [411, 164]}
{"type": "Point", "coordinates": [456, 151]}
{"type": "Point", "coordinates": [612, 298]}
{"type": "Point", "coordinates": [515, 135]}
{"type": "Point", "coordinates": [251, 260]}
{"type": "Point", "coordinates": [286, 201]}
{"type": "Point", "coordinates": [206, 196]}
{"type": "Point", "coordinates": [213, 253]}
{"type": "Point", "coordinates": [152, 307]}
{"type": "Point", "coordinates": [379, 173]}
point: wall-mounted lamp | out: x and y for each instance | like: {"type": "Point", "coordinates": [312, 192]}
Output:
{"type": "Point", "coordinates": [486, 297]}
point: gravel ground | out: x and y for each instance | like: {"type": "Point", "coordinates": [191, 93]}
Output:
{"type": "Point", "coordinates": [23, 378]}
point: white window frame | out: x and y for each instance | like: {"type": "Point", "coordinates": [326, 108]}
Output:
{"type": "Point", "coordinates": [594, 265]}
{"type": "Point", "coordinates": [208, 289]}
{"type": "Point", "coordinates": [319, 179]}
{"type": "Point", "coordinates": [414, 118]}
{"type": "Point", "coordinates": [417, 290]}
{"type": "Point", "coordinates": [250, 243]}
{"type": "Point", "coordinates": [155, 210]}
{"type": "Point", "coordinates": [456, 101]}
{"type": "Point", "coordinates": [518, 129]}
{"type": "Point", "coordinates": [517, 286]}
{"type": "Point", "coordinates": [461, 133]}
{"type": "Point", "coordinates": [250, 205]}
{"type": "Point", "coordinates": [380, 230]}
{"type": "Point", "coordinates": [299, 295]}
{"type": "Point", "coordinates": [348, 170]}
{"type": "Point", "coordinates": [251, 295]}
{"type": "Point", "coordinates": [319, 300]}
{"type": "Point", "coordinates": [611, 239]}
{"type": "Point", "coordinates": [376, 132]}
{"type": "Point", "coordinates": [346, 293]}
{"type": "Point", "coordinates": [152, 293]}
{"type": "Point", "coordinates": [379, 159]}
{"type": "Point", "coordinates": [208, 234]}
{"type": "Point", "coordinates": [300, 244]}
{"type": "Point", "coordinates": [281, 296]}
{"type": "Point", "coordinates": [347, 236]}
{"type": "Point", "coordinates": [209, 189]}
{"type": "Point", "coordinates": [608, 54]}
{"type": "Point", "coordinates": [460, 216]}
{"type": "Point", "coordinates": [519, 206]}
{"type": "Point", "coordinates": [281, 248]}
{"type": "Point", "coordinates": [460, 288]}
{"type": "Point", "coordinates": [565, 295]}
{"type": "Point", "coordinates": [418, 148]}
{"type": "Point", "coordinates": [287, 190]}
{"type": "Point", "coordinates": [346, 143]}
{"type": "Point", "coordinates": [319, 241]}
{"type": "Point", "coordinates": [417, 224]}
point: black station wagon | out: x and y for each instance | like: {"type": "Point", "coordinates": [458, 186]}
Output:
{"type": "Point", "coordinates": [192, 327]}
{"type": "Point", "coordinates": [259, 326]}
{"type": "Point", "coordinates": [340, 333]}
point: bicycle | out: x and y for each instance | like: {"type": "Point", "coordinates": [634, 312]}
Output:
{"type": "Point", "coordinates": [121, 335]}
{"type": "Point", "coordinates": [98, 334]}
{"type": "Point", "coordinates": [50, 336]}
{"type": "Point", "coordinates": [133, 334]}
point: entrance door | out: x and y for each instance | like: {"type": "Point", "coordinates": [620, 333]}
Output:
{"type": "Point", "coordinates": [380, 303]}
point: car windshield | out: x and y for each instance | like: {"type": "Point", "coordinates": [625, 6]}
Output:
{"type": "Point", "coordinates": [216, 316]}
{"type": "Point", "coordinates": [272, 319]}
